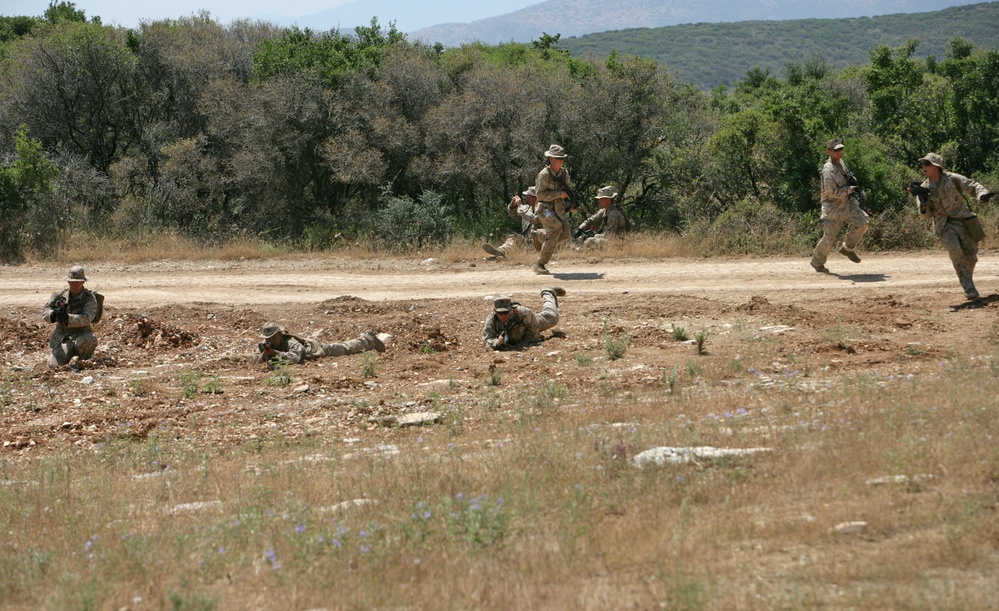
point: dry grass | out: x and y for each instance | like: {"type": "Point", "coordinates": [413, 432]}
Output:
{"type": "Point", "coordinates": [542, 509]}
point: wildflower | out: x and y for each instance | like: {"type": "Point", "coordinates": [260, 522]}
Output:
{"type": "Point", "coordinates": [300, 528]}
{"type": "Point", "coordinates": [336, 543]}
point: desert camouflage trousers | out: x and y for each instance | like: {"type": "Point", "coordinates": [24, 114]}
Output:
{"type": "Point", "coordinates": [963, 251]}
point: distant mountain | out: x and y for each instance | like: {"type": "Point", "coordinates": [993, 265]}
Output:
{"type": "Point", "coordinates": [712, 54]}
{"type": "Point", "coordinates": [407, 14]}
{"type": "Point", "coordinates": [580, 17]}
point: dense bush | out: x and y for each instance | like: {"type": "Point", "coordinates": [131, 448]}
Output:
{"type": "Point", "coordinates": [311, 139]}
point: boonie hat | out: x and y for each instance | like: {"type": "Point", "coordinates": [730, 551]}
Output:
{"type": "Point", "coordinates": [834, 145]}
{"type": "Point", "coordinates": [933, 158]}
{"type": "Point", "coordinates": [607, 191]}
{"type": "Point", "coordinates": [76, 274]}
{"type": "Point", "coordinates": [555, 151]}
{"type": "Point", "coordinates": [504, 303]}
{"type": "Point", "coordinates": [270, 329]}
{"type": "Point", "coordinates": [532, 191]}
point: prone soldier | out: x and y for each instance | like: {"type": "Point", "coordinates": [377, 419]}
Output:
{"type": "Point", "coordinates": [279, 344]}
{"type": "Point", "coordinates": [511, 325]}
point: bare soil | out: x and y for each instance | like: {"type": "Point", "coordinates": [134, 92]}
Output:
{"type": "Point", "coordinates": [167, 322]}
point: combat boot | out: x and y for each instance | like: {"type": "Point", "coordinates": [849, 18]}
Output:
{"type": "Point", "coordinates": [541, 270]}
{"type": "Point", "coordinates": [822, 269]}
{"type": "Point", "coordinates": [556, 292]}
{"type": "Point", "coordinates": [370, 341]}
{"type": "Point", "coordinates": [489, 248]}
{"type": "Point", "coordinates": [849, 254]}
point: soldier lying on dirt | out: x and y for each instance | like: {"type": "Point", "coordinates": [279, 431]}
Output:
{"type": "Point", "coordinates": [511, 324]}
{"type": "Point", "coordinates": [280, 344]}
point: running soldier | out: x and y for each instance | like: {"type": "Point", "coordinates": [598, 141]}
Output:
{"type": "Point", "coordinates": [941, 197]}
{"type": "Point", "coordinates": [839, 205]}
{"type": "Point", "coordinates": [511, 325]}
{"type": "Point", "coordinates": [73, 311]}
{"type": "Point", "coordinates": [552, 188]}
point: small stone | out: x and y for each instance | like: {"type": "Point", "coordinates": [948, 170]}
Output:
{"type": "Point", "coordinates": [418, 419]}
{"type": "Point", "coordinates": [88, 380]}
{"type": "Point", "coordinates": [850, 528]}
{"type": "Point", "coordinates": [301, 389]}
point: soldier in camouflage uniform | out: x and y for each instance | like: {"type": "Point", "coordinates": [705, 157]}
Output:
{"type": "Point", "coordinates": [280, 344]}
{"type": "Point", "coordinates": [520, 207]}
{"type": "Point", "coordinates": [941, 197]}
{"type": "Point", "coordinates": [72, 310]}
{"type": "Point", "coordinates": [839, 206]}
{"type": "Point", "coordinates": [551, 206]}
{"type": "Point", "coordinates": [609, 218]}
{"type": "Point", "coordinates": [511, 325]}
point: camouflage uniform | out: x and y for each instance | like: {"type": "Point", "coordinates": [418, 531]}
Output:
{"type": "Point", "coordinates": [947, 207]}
{"type": "Point", "coordinates": [612, 220]}
{"type": "Point", "coordinates": [839, 206]}
{"type": "Point", "coordinates": [519, 208]}
{"type": "Point", "coordinates": [295, 349]}
{"type": "Point", "coordinates": [74, 337]}
{"type": "Point", "coordinates": [523, 326]}
{"type": "Point", "coordinates": [551, 209]}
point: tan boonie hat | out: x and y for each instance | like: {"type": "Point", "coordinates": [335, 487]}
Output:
{"type": "Point", "coordinates": [933, 158]}
{"type": "Point", "coordinates": [504, 303]}
{"type": "Point", "coordinates": [270, 329]}
{"type": "Point", "coordinates": [607, 191]}
{"type": "Point", "coordinates": [76, 274]}
{"type": "Point", "coordinates": [834, 145]}
{"type": "Point", "coordinates": [555, 151]}
{"type": "Point", "coordinates": [532, 191]}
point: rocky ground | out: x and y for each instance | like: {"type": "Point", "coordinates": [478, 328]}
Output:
{"type": "Point", "coordinates": [176, 338]}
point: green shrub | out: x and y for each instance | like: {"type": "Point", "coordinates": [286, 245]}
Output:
{"type": "Point", "coordinates": [403, 223]}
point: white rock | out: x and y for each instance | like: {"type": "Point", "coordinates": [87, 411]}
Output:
{"type": "Point", "coordinates": [672, 455]}
{"type": "Point", "coordinates": [88, 380]}
{"type": "Point", "coordinates": [418, 419]}
{"type": "Point", "coordinates": [193, 507]}
{"type": "Point", "coordinates": [850, 528]}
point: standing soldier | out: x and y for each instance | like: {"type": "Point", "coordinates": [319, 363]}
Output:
{"type": "Point", "coordinates": [609, 218]}
{"type": "Point", "coordinates": [511, 325]}
{"type": "Point", "coordinates": [72, 310]}
{"type": "Point", "coordinates": [524, 208]}
{"type": "Point", "coordinates": [941, 197]}
{"type": "Point", "coordinates": [839, 205]}
{"type": "Point", "coordinates": [552, 188]}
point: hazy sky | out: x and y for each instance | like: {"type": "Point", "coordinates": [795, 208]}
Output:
{"type": "Point", "coordinates": [128, 13]}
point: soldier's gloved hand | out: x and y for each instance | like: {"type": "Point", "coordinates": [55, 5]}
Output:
{"type": "Point", "coordinates": [63, 317]}
{"type": "Point", "coordinates": [985, 198]}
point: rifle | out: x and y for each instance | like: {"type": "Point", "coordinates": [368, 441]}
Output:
{"type": "Point", "coordinates": [59, 307]}
{"type": "Point", "coordinates": [851, 179]}
{"type": "Point", "coordinates": [575, 200]}
{"type": "Point", "coordinates": [921, 194]}
{"type": "Point", "coordinates": [582, 234]}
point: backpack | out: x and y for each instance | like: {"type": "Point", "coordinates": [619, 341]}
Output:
{"type": "Point", "coordinates": [100, 307]}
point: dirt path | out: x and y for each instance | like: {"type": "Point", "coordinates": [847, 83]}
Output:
{"type": "Point", "coordinates": [318, 279]}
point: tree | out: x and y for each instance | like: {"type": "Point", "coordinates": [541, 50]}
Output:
{"type": "Point", "coordinates": [76, 87]}
{"type": "Point", "coordinates": [26, 201]}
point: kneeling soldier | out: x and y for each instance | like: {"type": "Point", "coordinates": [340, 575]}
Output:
{"type": "Point", "coordinates": [73, 310]}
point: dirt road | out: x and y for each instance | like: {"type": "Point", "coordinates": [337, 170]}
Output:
{"type": "Point", "coordinates": [314, 280]}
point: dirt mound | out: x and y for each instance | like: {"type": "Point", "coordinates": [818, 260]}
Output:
{"type": "Point", "coordinates": [143, 332]}
{"type": "Point", "coordinates": [18, 335]}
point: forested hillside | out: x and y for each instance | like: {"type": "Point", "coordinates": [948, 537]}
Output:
{"type": "Point", "coordinates": [713, 54]}
{"type": "Point", "coordinates": [303, 139]}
